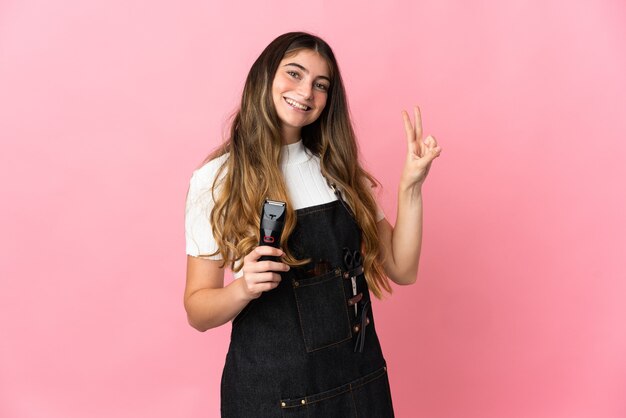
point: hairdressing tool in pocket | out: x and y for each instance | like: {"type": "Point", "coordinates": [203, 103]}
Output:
{"type": "Point", "coordinates": [272, 223]}
{"type": "Point", "coordinates": [352, 259]}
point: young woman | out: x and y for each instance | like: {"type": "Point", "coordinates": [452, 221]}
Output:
{"type": "Point", "coordinates": [303, 340]}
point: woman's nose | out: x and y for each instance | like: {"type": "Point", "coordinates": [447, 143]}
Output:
{"type": "Point", "coordinates": [305, 90]}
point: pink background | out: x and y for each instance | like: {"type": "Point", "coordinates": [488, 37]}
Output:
{"type": "Point", "coordinates": [106, 107]}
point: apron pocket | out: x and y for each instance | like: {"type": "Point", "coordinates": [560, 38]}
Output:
{"type": "Point", "coordinates": [374, 398]}
{"type": "Point", "coordinates": [323, 310]}
{"type": "Point", "coordinates": [367, 396]}
{"type": "Point", "coordinates": [337, 406]}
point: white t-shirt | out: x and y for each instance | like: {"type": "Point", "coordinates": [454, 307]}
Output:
{"type": "Point", "coordinates": [305, 185]}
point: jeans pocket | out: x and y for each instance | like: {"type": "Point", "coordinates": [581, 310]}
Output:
{"type": "Point", "coordinates": [323, 310]}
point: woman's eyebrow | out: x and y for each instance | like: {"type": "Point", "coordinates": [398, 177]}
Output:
{"type": "Point", "coordinates": [295, 64]}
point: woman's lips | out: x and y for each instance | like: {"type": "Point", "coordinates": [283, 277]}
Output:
{"type": "Point", "coordinates": [297, 105]}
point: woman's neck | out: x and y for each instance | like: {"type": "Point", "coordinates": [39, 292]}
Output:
{"type": "Point", "coordinates": [290, 135]}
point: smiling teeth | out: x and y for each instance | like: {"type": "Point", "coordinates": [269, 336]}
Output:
{"type": "Point", "coordinates": [296, 104]}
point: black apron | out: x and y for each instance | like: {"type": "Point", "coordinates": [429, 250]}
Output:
{"type": "Point", "coordinates": [300, 350]}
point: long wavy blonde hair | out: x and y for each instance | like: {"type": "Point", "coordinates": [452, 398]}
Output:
{"type": "Point", "coordinates": [251, 172]}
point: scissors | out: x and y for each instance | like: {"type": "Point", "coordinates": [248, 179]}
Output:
{"type": "Point", "coordinates": [352, 259]}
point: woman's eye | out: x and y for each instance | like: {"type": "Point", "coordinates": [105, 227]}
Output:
{"type": "Point", "coordinates": [293, 74]}
{"type": "Point", "coordinates": [321, 86]}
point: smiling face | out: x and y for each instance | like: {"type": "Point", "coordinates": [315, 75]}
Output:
{"type": "Point", "coordinates": [299, 92]}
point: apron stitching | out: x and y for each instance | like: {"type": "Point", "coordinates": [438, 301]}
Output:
{"type": "Point", "coordinates": [329, 207]}
{"type": "Point", "coordinates": [353, 401]}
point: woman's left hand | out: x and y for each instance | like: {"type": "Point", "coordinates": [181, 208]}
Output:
{"type": "Point", "coordinates": [420, 154]}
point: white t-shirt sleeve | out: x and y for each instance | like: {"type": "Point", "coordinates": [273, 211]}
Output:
{"type": "Point", "coordinates": [380, 215]}
{"type": "Point", "coordinates": [199, 240]}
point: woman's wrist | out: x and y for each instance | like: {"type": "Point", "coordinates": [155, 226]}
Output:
{"type": "Point", "coordinates": [243, 294]}
{"type": "Point", "coordinates": [241, 290]}
{"type": "Point", "coordinates": [413, 190]}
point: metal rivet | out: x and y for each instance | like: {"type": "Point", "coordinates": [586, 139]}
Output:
{"type": "Point", "coordinates": [283, 404]}
{"type": "Point", "coordinates": [356, 328]}
{"type": "Point", "coordinates": [296, 284]}
{"type": "Point", "coordinates": [385, 368]}
{"type": "Point", "coordinates": [367, 320]}
{"type": "Point", "coordinates": [337, 271]}
{"type": "Point", "coordinates": [302, 401]}
{"type": "Point", "coordinates": [346, 275]}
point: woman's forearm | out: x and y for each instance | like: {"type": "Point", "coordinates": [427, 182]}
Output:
{"type": "Point", "coordinates": [407, 234]}
{"type": "Point", "coordinates": [210, 308]}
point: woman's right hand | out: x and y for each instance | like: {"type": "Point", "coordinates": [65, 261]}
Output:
{"type": "Point", "coordinates": [261, 276]}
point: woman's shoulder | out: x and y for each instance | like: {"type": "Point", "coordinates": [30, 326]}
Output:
{"type": "Point", "coordinates": [204, 176]}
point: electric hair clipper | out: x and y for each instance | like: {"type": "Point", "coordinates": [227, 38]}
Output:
{"type": "Point", "coordinates": [272, 223]}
